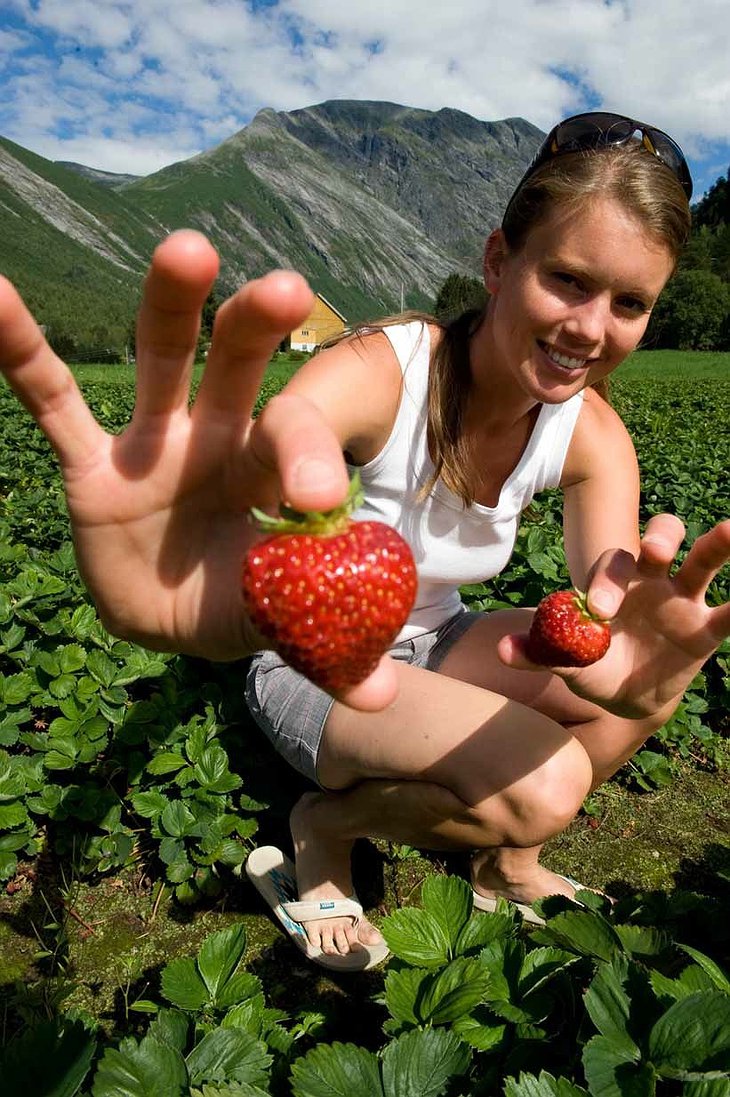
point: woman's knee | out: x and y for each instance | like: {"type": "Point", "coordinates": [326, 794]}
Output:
{"type": "Point", "coordinates": [543, 802]}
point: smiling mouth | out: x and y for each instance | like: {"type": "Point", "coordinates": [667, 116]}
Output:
{"type": "Point", "coordinates": [565, 361]}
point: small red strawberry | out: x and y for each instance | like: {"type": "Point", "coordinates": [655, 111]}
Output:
{"type": "Point", "coordinates": [328, 593]}
{"type": "Point", "coordinates": [564, 633]}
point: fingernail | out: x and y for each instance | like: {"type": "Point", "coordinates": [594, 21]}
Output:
{"type": "Point", "coordinates": [602, 603]}
{"type": "Point", "coordinates": [314, 473]}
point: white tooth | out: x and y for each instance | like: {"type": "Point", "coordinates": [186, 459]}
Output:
{"type": "Point", "coordinates": [563, 360]}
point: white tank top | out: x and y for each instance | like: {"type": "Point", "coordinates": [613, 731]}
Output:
{"type": "Point", "coordinates": [452, 544]}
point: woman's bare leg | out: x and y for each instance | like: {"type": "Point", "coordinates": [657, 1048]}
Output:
{"type": "Point", "coordinates": [609, 741]}
{"type": "Point", "coordinates": [447, 766]}
{"type": "Point", "coordinates": [451, 769]}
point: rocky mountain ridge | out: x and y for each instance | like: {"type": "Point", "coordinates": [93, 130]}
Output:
{"type": "Point", "coordinates": [374, 202]}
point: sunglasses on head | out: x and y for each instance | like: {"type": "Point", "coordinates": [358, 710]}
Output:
{"type": "Point", "coordinates": [599, 129]}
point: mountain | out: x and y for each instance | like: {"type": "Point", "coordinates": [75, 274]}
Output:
{"type": "Point", "coordinates": [373, 202]}
{"type": "Point", "coordinates": [108, 178]}
{"type": "Point", "coordinates": [365, 198]}
{"type": "Point", "coordinates": [75, 250]}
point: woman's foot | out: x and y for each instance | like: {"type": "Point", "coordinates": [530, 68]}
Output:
{"type": "Point", "coordinates": [516, 875]}
{"type": "Point", "coordinates": [324, 872]}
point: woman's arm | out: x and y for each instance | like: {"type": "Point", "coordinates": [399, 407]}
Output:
{"type": "Point", "coordinates": [662, 628]}
{"type": "Point", "coordinates": [600, 488]}
{"type": "Point", "coordinates": [356, 385]}
{"type": "Point", "coordinates": [159, 513]}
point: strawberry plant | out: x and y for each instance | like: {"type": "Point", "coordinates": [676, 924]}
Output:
{"type": "Point", "coordinates": [602, 1000]}
{"type": "Point", "coordinates": [107, 751]}
{"type": "Point", "coordinates": [591, 1003]}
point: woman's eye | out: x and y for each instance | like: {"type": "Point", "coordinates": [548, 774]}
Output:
{"type": "Point", "coordinates": [632, 304]}
{"type": "Point", "coordinates": [565, 278]}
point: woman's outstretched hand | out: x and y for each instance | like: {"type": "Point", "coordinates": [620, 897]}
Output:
{"type": "Point", "coordinates": [159, 513]}
{"type": "Point", "coordinates": [662, 629]}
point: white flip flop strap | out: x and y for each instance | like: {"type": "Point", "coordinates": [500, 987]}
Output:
{"type": "Point", "coordinates": [308, 911]}
{"type": "Point", "coordinates": [573, 882]}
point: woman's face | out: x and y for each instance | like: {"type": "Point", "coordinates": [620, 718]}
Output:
{"type": "Point", "coordinates": [575, 300]}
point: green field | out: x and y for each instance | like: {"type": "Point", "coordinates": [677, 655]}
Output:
{"type": "Point", "coordinates": [281, 366]}
{"type": "Point", "coordinates": [676, 364]}
{"type": "Point", "coordinates": [133, 785]}
{"type": "Point", "coordinates": [643, 363]}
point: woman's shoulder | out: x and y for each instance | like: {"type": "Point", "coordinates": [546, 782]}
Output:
{"type": "Point", "coordinates": [356, 384]}
{"type": "Point", "coordinates": [599, 439]}
{"type": "Point", "coordinates": [597, 414]}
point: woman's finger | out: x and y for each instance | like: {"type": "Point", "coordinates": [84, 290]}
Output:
{"type": "Point", "coordinates": [377, 691]}
{"type": "Point", "coordinates": [182, 272]}
{"type": "Point", "coordinates": [292, 445]}
{"type": "Point", "coordinates": [608, 581]}
{"type": "Point", "coordinates": [248, 329]}
{"type": "Point", "coordinates": [709, 553]}
{"type": "Point", "coordinates": [45, 384]}
{"type": "Point", "coordinates": [659, 546]}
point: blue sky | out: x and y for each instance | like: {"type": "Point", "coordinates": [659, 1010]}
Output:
{"type": "Point", "coordinates": [134, 85]}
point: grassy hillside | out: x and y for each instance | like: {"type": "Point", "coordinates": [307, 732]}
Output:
{"type": "Point", "coordinates": [692, 364]}
{"type": "Point", "coordinates": [75, 290]}
{"type": "Point", "coordinates": [254, 229]}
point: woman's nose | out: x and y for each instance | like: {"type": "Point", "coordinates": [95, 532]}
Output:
{"type": "Point", "coordinates": [587, 320]}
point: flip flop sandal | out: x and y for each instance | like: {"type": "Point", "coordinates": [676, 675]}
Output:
{"type": "Point", "coordinates": [274, 876]}
{"type": "Point", "coordinates": [483, 902]}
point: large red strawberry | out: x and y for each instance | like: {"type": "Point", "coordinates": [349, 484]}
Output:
{"type": "Point", "coordinates": [329, 594]}
{"type": "Point", "coordinates": [564, 633]}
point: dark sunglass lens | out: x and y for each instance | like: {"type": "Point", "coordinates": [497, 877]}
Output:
{"type": "Point", "coordinates": [666, 150]}
{"type": "Point", "coordinates": [592, 130]}
{"type": "Point", "coordinates": [671, 154]}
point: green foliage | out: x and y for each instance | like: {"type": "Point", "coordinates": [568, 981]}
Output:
{"type": "Point", "coordinates": [109, 750]}
{"type": "Point", "coordinates": [714, 208]}
{"type": "Point", "coordinates": [603, 1000]}
{"type": "Point", "coordinates": [693, 313]}
{"type": "Point", "coordinates": [459, 293]}
{"type": "Point", "coordinates": [709, 245]}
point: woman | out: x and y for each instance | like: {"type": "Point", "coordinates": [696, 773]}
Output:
{"type": "Point", "coordinates": [451, 744]}
{"type": "Point", "coordinates": [453, 431]}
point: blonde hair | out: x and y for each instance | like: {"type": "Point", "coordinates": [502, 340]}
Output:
{"type": "Point", "coordinates": [646, 188]}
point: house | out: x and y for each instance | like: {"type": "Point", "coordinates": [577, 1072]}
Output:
{"type": "Point", "coordinates": [323, 322]}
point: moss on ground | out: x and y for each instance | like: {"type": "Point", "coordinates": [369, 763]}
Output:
{"type": "Point", "coordinates": [678, 837]}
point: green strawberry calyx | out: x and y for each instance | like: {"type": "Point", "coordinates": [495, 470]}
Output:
{"type": "Point", "coordinates": [321, 523]}
{"type": "Point", "coordinates": [581, 601]}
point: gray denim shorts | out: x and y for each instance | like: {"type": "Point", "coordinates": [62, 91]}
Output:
{"type": "Point", "coordinates": [292, 712]}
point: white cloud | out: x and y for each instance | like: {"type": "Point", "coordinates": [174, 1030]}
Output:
{"type": "Point", "coordinates": [186, 73]}
{"type": "Point", "coordinates": [96, 23]}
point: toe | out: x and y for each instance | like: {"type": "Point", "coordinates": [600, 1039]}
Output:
{"type": "Point", "coordinates": [367, 934]}
{"type": "Point", "coordinates": [343, 938]}
{"type": "Point", "coordinates": [328, 945]}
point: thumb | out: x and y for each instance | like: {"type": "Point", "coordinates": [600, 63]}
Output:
{"type": "Point", "coordinates": [377, 691]}
{"type": "Point", "coordinates": [512, 652]}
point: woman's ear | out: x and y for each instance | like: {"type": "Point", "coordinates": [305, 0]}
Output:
{"type": "Point", "coordinates": [495, 251]}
